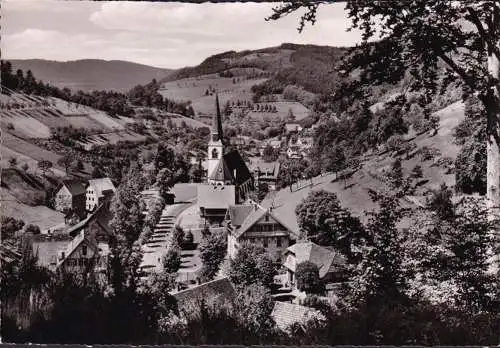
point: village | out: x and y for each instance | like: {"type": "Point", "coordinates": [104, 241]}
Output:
{"type": "Point", "coordinates": [198, 174]}
{"type": "Point", "coordinates": [220, 203]}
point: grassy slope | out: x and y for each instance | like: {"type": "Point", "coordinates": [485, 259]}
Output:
{"type": "Point", "coordinates": [355, 197]}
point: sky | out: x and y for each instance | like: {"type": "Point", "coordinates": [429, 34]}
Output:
{"type": "Point", "coordinates": [167, 35]}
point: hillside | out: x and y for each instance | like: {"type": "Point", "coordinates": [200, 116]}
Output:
{"type": "Point", "coordinates": [246, 76]}
{"type": "Point", "coordinates": [91, 74]}
{"type": "Point", "coordinates": [353, 193]}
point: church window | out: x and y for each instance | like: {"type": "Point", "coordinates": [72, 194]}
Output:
{"type": "Point", "coordinates": [215, 153]}
{"type": "Point", "coordinates": [215, 137]}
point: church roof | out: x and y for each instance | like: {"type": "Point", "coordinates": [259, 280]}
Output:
{"type": "Point", "coordinates": [221, 172]}
{"type": "Point", "coordinates": [217, 122]}
{"type": "Point", "coordinates": [231, 167]}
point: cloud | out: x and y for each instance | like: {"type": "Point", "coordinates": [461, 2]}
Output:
{"type": "Point", "coordinates": [160, 34]}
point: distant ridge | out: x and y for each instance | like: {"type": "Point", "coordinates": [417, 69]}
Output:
{"type": "Point", "coordinates": [91, 74]}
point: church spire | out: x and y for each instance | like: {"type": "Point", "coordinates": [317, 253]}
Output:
{"type": "Point", "coordinates": [217, 121]}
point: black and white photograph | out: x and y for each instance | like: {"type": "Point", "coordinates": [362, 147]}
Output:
{"type": "Point", "coordinates": [250, 173]}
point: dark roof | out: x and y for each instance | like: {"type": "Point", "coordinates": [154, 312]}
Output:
{"type": "Point", "coordinates": [221, 172]}
{"type": "Point", "coordinates": [101, 215]}
{"type": "Point", "coordinates": [238, 213]}
{"type": "Point", "coordinates": [217, 122]}
{"type": "Point", "coordinates": [75, 187]}
{"type": "Point", "coordinates": [219, 289]}
{"type": "Point", "coordinates": [234, 162]}
{"type": "Point", "coordinates": [216, 196]}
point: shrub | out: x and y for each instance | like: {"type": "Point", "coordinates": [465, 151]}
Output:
{"type": "Point", "coordinates": [33, 229]}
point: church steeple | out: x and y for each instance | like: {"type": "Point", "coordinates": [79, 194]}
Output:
{"type": "Point", "coordinates": [217, 122]}
{"type": "Point", "coordinates": [216, 143]}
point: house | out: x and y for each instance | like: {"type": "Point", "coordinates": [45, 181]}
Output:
{"type": "Point", "coordinates": [292, 128]}
{"type": "Point", "coordinates": [253, 224]}
{"type": "Point", "coordinates": [293, 152]}
{"type": "Point", "coordinates": [82, 254]}
{"type": "Point", "coordinates": [96, 191]}
{"type": "Point", "coordinates": [96, 223]}
{"type": "Point", "coordinates": [214, 201]}
{"type": "Point", "coordinates": [331, 264]}
{"type": "Point", "coordinates": [218, 292]}
{"type": "Point", "coordinates": [287, 314]}
{"type": "Point", "coordinates": [84, 244]}
{"type": "Point", "coordinates": [275, 144]}
{"type": "Point", "coordinates": [266, 172]}
{"type": "Point", "coordinates": [70, 197]}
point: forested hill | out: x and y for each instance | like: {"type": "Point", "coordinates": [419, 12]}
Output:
{"type": "Point", "coordinates": [91, 74]}
{"type": "Point", "coordinates": [309, 66]}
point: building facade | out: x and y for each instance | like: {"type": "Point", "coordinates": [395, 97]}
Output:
{"type": "Point", "coordinates": [71, 197]}
{"type": "Point", "coordinates": [97, 191]}
{"type": "Point", "coordinates": [251, 223]}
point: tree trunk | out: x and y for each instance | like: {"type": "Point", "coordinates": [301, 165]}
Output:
{"type": "Point", "coordinates": [493, 144]}
{"type": "Point", "coordinates": [493, 157]}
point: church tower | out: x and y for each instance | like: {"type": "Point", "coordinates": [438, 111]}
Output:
{"type": "Point", "coordinates": [215, 144]}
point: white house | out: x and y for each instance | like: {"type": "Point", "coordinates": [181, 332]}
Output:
{"type": "Point", "coordinates": [254, 224]}
{"type": "Point", "coordinates": [97, 190]}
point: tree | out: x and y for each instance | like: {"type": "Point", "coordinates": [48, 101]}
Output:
{"type": "Point", "coordinates": [44, 166]}
{"type": "Point", "coordinates": [171, 261]}
{"type": "Point", "coordinates": [269, 154]}
{"type": "Point", "coordinates": [417, 172]}
{"type": "Point", "coordinates": [440, 202]}
{"type": "Point", "coordinates": [35, 229]}
{"type": "Point", "coordinates": [307, 274]}
{"type": "Point", "coordinates": [382, 276]}
{"type": "Point", "coordinates": [178, 235]}
{"type": "Point", "coordinates": [396, 174]}
{"type": "Point", "coordinates": [66, 161]}
{"type": "Point", "coordinates": [413, 38]}
{"type": "Point", "coordinates": [13, 161]}
{"type": "Point", "coordinates": [213, 248]}
{"type": "Point", "coordinates": [325, 222]}
{"type": "Point", "coordinates": [254, 306]}
{"type": "Point", "coordinates": [252, 265]}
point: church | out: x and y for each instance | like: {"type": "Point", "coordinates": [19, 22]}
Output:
{"type": "Point", "coordinates": [229, 181]}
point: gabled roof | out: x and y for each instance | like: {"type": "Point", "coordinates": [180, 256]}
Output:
{"type": "Point", "coordinates": [75, 187]}
{"type": "Point", "coordinates": [221, 172]}
{"type": "Point", "coordinates": [255, 213]}
{"type": "Point", "coordinates": [221, 289]}
{"type": "Point", "coordinates": [286, 314]}
{"type": "Point", "coordinates": [101, 215]}
{"type": "Point", "coordinates": [73, 245]}
{"type": "Point", "coordinates": [46, 251]}
{"type": "Point", "coordinates": [238, 213]}
{"type": "Point", "coordinates": [326, 260]}
{"type": "Point", "coordinates": [216, 196]}
{"type": "Point", "coordinates": [234, 162]}
{"type": "Point", "coordinates": [101, 185]}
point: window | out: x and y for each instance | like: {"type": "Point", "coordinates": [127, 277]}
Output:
{"type": "Point", "coordinates": [215, 153]}
{"type": "Point", "coordinates": [267, 218]}
{"type": "Point", "coordinates": [278, 241]}
{"type": "Point", "coordinates": [84, 250]}
{"type": "Point", "coordinates": [265, 241]}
